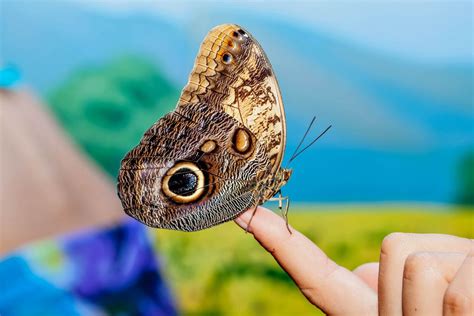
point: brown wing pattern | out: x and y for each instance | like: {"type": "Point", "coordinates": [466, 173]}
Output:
{"type": "Point", "coordinates": [229, 181]}
{"type": "Point", "coordinates": [219, 152]}
{"type": "Point", "coordinates": [233, 74]}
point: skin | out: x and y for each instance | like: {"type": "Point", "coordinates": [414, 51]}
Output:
{"type": "Point", "coordinates": [47, 187]}
{"type": "Point", "coordinates": [418, 274]}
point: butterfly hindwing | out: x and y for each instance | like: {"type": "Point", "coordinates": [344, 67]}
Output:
{"type": "Point", "coordinates": [188, 173]}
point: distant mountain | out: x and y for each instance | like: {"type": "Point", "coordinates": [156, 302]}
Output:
{"type": "Point", "coordinates": [400, 127]}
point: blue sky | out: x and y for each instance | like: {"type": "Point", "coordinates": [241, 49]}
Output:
{"type": "Point", "coordinates": [429, 31]}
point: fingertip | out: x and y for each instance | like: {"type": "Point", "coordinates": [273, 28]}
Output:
{"type": "Point", "coordinates": [249, 219]}
{"type": "Point", "coordinates": [261, 221]}
{"type": "Point", "coordinates": [369, 273]}
{"type": "Point", "coordinates": [367, 267]}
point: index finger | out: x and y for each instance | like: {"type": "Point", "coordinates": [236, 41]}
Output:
{"type": "Point", "coordinates": [332, 288]}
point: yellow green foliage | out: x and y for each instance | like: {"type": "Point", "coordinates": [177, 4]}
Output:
{"type": "Point", "coordinates": [223, 271]}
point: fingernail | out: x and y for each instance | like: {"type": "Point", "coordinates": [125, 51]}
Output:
{"type": "Point", "coordinates": [245, 217]}
{"type": "Point", "coordinates": [240, 222]}
{"type": "Point", "coordinates": [243, 220]}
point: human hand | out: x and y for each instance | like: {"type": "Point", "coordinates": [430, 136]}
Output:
{"type": "Point", "coordinates": [418, 274]}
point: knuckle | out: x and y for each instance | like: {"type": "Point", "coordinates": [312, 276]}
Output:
{"type": "Point", "coordinates": [331, 269]}
{"type": "Point", "coordinates": [392, 242]}
{"type": "Point", "coordinates": [416, 265]}
{"type": "Point", "coordinates": [456, 303]}
{"type": "Point", "coordinates": [309, 293]}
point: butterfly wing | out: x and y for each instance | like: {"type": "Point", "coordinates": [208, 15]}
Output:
{"type": "Point", "coordinates": [190, 171]}
{"type": "Point", "coordinates": [201, 164]}
{"type": "Point", "coordinates": [233, 74]}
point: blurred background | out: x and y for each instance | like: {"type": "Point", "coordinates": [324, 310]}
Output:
{"type": "Point", "coordinates": [394, 79]}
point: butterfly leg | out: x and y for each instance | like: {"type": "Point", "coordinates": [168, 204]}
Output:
{"type": "Point", "coordinates": [284, 214]}
{"type": "Point", "coordinates": [280, 199]}
{"type": "Point", "coordinates": [287, 207]}
{"type": "Point", "coordinates": [259, 195]}
{"type": "Point", "coordinates": [250, 220]}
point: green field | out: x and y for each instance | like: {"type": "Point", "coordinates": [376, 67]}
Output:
{"type": "Point", "coordinates": [223, 271]}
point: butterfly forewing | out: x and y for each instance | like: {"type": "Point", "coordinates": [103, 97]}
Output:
{"type": "Point", "coordinates": [233, 74]}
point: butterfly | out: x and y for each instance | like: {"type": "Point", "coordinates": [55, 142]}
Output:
{"type": "Point", "coordinates": [219, 152]}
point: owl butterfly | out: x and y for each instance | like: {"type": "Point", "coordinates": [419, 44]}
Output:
{"type": "Point", "coordinates": [219, 152]}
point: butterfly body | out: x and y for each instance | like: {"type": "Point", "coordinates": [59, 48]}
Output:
{"type": "Point", "coordinates": [270, 186]}
{"type": "Point", "coordinates": [219, 152]}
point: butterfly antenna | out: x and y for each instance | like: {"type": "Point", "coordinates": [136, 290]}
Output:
{"type": "Point", "coordinates": [302, 139]}
{"type": "Point", "coordinates": [310, 144]}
